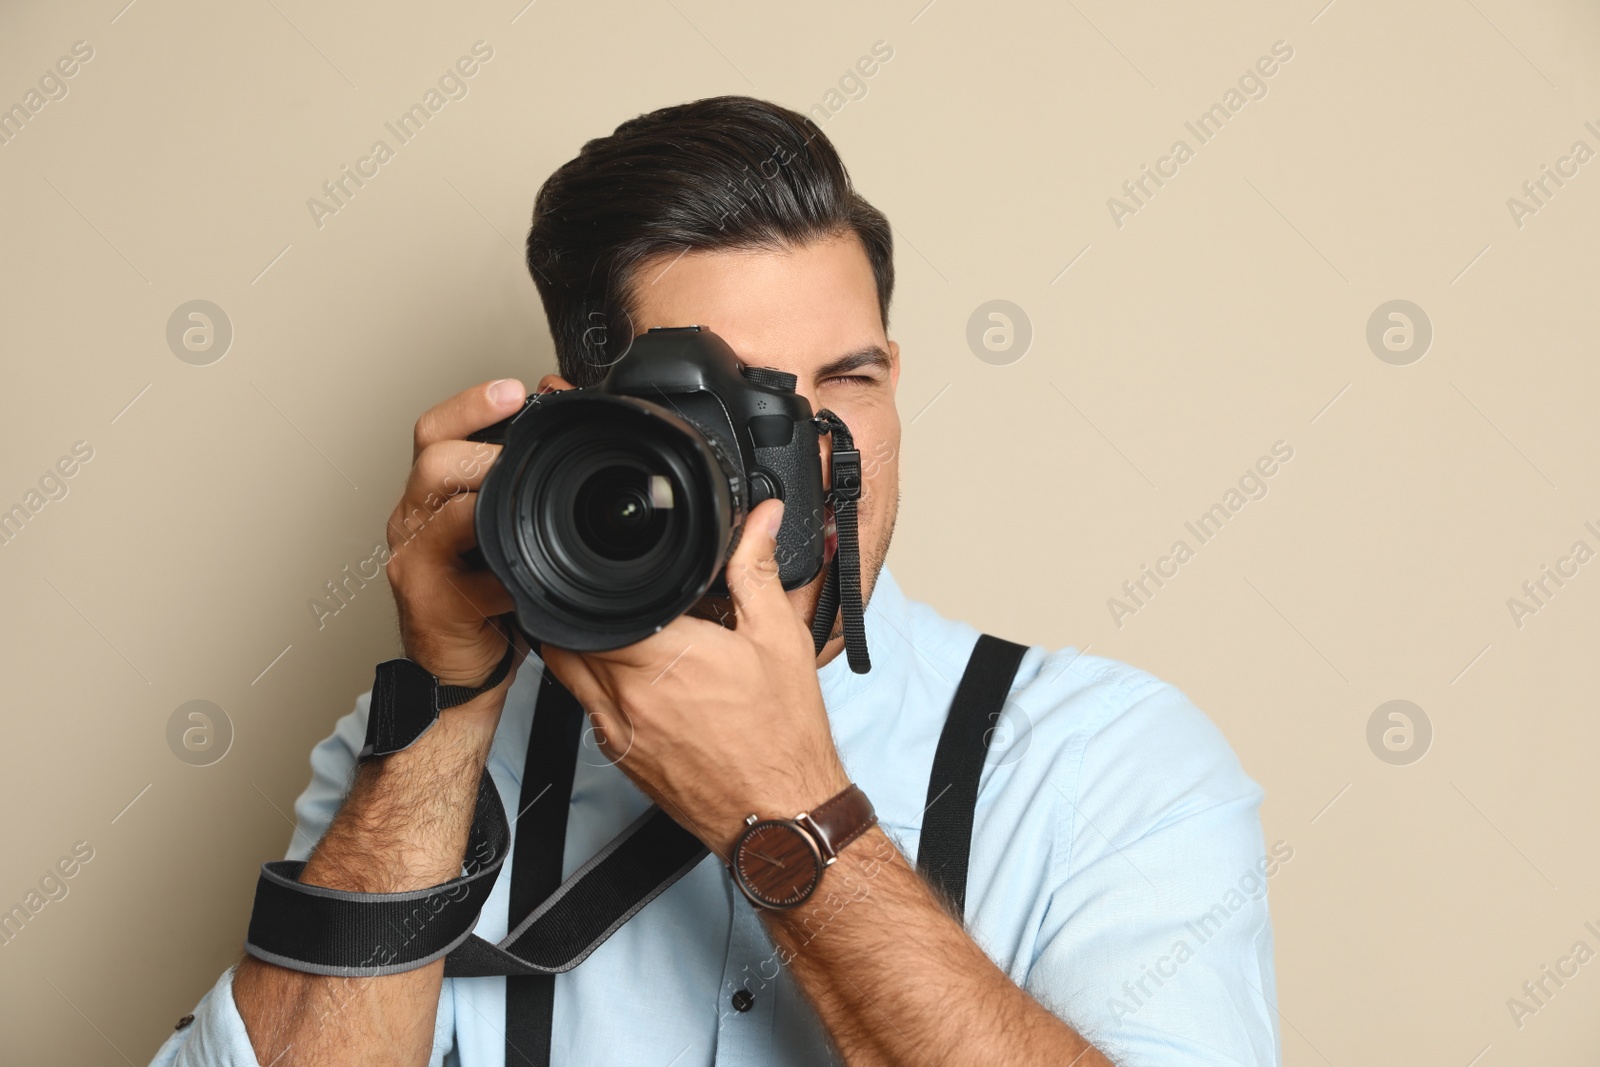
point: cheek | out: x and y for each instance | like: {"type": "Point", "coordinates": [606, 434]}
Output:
{"type": "Point", "coordinates": [869, 412]}
{"type": "Point", "coordinates": [875, 430]}
{"type": "Point", "coordinates": [880, 468]}
{"type": "Point", "coordinates": [880, 450]}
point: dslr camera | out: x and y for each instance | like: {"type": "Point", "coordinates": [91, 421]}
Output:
{"type": "Point", "coordinates": [612, 509]}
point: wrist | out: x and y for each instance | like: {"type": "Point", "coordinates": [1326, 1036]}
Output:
{"type": "Point", "coordinates": [457, 656]}
{"type": "Point", "coordinates": [778, 862]}
{"type": "Point", "coordinates": [786, 799]}
{"type": "Point", "coordinates": [467, 668]}
{"type": "Point", "coordinates": [858, 874]}
{"type": "Point", "coordinates": [409, 701]}
{"type": "Point", "coordinates": [477, 719]}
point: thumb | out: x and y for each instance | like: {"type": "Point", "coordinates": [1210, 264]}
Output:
{"type": "Point", "coordinates": [753, 582]}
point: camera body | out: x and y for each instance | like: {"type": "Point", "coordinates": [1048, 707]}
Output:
{"type": "Point", "coordinates": [613, 508]}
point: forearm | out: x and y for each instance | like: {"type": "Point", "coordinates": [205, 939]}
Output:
{"type": "Point", "coordinates": [404, 826]}
{"type": "Point", "coordinates": [896, 980]}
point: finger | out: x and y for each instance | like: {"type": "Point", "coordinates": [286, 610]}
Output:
{"type": "Point", "coordinates": [442, 485]}
{"type": "Point", "coordinates": [425, 561]}
{"type": "Point", "coordinates": [468, 412]}
{"type": "Point", "coordinates": [449, 468]}
{"type": "Point", "coordinates": [753, 582]}
{"type": "Point", "coordinates": [437, 526]}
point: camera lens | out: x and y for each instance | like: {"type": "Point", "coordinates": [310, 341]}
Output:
{"type": "Point", "coordinates": [593, 524]}
{"type": "Point", "coordinates": [615, 513]}
{"type": "Point", "coordinates": [607, 517]}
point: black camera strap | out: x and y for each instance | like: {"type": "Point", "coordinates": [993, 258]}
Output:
{"type": "Point", "coordinates": [334, 932]}
{"type": "Point", "coordinates": [331, 932]}
{"type": "Point", "coordinates": [942, 856]}
{"type": "Point", "coordinates": [841, 590]}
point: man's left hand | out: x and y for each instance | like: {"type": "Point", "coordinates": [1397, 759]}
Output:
{"type": "Point", "coordinates": [713, 723]}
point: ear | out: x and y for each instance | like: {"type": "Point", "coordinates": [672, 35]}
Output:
{"type": "Point", "coordinates": [554, 383]}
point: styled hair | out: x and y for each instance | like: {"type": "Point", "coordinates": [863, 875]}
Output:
{"type": "Point", "coordinates": [723, 173]}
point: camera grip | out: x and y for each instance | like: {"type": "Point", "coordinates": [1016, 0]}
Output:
{"type": "Point", "coordinates": [793, 465]}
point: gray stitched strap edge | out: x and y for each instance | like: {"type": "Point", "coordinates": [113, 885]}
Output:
{"type": "Point", "coordinates": [502, 949]}
{"type": "Point", "coordinates": [377, 971]}
{"type": "Point", "coordinates": [574, 882]}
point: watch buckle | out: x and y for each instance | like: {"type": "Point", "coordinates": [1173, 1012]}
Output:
{"type": "Point", "coordinates": [824, 846]}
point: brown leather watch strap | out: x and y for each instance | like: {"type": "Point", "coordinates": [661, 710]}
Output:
{"type": "Point", "coordinates": [840, 820]}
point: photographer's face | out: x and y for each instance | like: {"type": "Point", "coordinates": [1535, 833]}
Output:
{"type": "Point", "coordinates": [811, 311]}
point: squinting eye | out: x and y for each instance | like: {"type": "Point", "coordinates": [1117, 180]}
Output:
{"type": "Point", "coordinates": [855, 379]}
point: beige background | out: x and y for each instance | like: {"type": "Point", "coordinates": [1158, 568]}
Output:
{"type": "Point", "coordinates": [1228, 314]}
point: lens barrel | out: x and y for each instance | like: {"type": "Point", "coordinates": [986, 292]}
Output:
{"type": "Point", "coordinates": [606, 517]}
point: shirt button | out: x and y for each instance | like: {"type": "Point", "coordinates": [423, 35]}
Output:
{"type": "Point", "coordinates": [184, 1022]}
{"type": "Point", "coordinates": [743, 1000]}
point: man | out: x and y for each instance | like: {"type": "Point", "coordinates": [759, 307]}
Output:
{"type": "Point", "coordinates": [1116, 900]}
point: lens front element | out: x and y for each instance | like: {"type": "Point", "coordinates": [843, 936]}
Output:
{"type": "Point", "coordinates": [616, 513]}
{"type": "Point", "coordinates": [606, 517]}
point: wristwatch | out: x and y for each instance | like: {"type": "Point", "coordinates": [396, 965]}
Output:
{"type": "Point", "coordinates": [778, 863]}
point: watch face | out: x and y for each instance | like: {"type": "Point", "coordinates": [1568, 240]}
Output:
{"type": "Point", "coordinates": [777, 864]}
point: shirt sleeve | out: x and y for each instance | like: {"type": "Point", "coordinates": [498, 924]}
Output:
{"type": "Point", "coordinates": [1157, 942]}
{"type": "Point", "coordinates": [217, 1036]}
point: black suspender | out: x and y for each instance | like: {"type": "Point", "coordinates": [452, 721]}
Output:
{"type": "Point", "coordinates": [536, 860]}
{"type": "Point", "coordinates": [958, 762]}
{"type": "Point", "coordinates": [941, 857]}
{"type": "Point", "coordinates": [328, 932]}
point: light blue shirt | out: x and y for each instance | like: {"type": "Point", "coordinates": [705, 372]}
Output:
{"type": "Point", "coordinates": [1118, 874]}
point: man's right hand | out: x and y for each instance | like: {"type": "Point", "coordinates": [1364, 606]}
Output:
{"type": "Point", "coordinates": [445, 609]}
{"type": "Point", "coordinates": [404, 824]}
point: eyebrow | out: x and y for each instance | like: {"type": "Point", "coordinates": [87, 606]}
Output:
{"type": "Point", "coordinates": [870, 356]}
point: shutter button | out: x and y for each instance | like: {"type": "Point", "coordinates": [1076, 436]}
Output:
{"type": "Point", "coordinates": [743, 1000]}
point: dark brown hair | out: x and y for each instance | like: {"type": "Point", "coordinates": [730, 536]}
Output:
{"type": "Point", "coordinates": [727, 172]}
